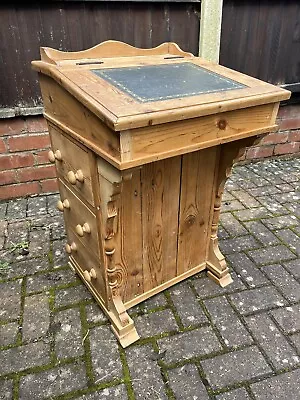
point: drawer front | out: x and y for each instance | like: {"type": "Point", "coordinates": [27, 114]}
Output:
{"type": "Point", "coordinates": [89, 266]}
{"type": "Point", "coordinates": [157, 142]}
{"type": "Point", "coordinates": [79, 218]}
{"type": "Point", "coordinates": [72, 163]}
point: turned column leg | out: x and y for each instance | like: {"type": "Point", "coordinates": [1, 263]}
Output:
{"type": "Point", "coordinates": [216, 264]}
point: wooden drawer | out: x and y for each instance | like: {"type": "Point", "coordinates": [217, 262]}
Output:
{"type": "Point", "coordinates": [79, 218]}
{"type": "Point", "coordinates": [72, 163]}
{"type": "Point", "coordinates": [90, 269]}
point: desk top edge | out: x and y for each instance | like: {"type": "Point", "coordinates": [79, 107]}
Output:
{"type": "Point", "coordinates": [59, 66]}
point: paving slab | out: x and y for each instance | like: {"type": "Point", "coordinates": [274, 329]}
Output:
{"type": "Point", "coordinates": [273, 342]}
{"type": "Point", "coordinates": [237, 244]}
{"type": "Point", "coordinates": [247, 270]}
{"type": "Point", "coordinates": [187, 306]}
{"type": "Point", "coordinates": [36, 317]}
{"type": "Point", "coordinates": [291, 239]}
{"type": "Point", "coordinates": [230, 327]}
{"type": "Point", "coordinates": [106, 360]}
{"type": "Point", "coordinates": [257, 299]}
{"type": "Point", "coordinates": [237, 394]}
{"type": "Point", "coordinates": [284, 281]}
{"type": "Point", "coordinates": [155, 323]}
{"type": "Point", "coordinates": [272, 254]}
{"type": "Point", "coordinates": [10, 305]}
{"type": "Point", "coordinates": [94, 314]}
{"type": "Point", "coordinates": [20, 358]}
{"type": "Point", "coordinates": [71, 295]}
{"type": "Point", "coordinates": [51, 279]}
{"type": "Point", "coordinates": [284, 386]}
{"type": "Point", "coordinates": [145, 373]}
{"type": "Point", "coordinates": [238, 366]}
{"type": "Point", "coordinates": [53, 382]}
{"type": "Point", "coordinates": [8, 333]}
{"type": "Point", "coordinates": [186, 384]}
{"type": "Point", "coordinates": [116, 392]}
{"type": "Point", "coordinates": [199, 342]}
{"type": "Point", "coordinates": [6, 389]}
{"type": "Point", "coordinates": [288, 318]}
{"type": "Point", "coordinates": [206, 287]}
{"type": "Point", "coordinates": [68, 337]}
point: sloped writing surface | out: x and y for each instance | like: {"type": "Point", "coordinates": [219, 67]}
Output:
{"type": "Point", "coordinates": [167, 81]}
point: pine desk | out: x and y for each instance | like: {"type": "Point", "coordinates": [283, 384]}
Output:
{"type": "Point", "coordinates": [143, 141]}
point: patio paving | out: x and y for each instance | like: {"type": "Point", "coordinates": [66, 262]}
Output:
{"type": "Point", "coordinates": [198, 341]}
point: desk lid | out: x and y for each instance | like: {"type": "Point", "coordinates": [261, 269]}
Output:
{"type": "Point", "coordinates": [129, 87]}
{"type": "Point", "coordinates": [149, 83]}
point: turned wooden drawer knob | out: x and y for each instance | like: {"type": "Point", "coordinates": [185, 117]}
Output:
{"type": "Point", "coordinates": [54, 156]}
{"type": "Point", "coordinates": [88, 275]}
{"type": "Point", "coordinates": [71, 247]}
{"type": "Point", "coordinates": [61, 205]}
{"type": "Point", "coordinates": [82, 229]}
{"type": "Point", "coordinates": [73, 177]}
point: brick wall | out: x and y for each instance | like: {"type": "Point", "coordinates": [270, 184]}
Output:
{"type": "Point", "coordinates": [24, 144]}
{"type": "Point", "coordinates": [24, 165]}
{"type": "Point", "coordinates": [284, 142]}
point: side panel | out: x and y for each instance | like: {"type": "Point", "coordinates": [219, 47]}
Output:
{"type": "Point", "coordinates": [63, 110]}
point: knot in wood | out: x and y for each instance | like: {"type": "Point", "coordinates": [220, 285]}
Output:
{"type": "Point", "coordinates": [222, 123]}
{"type": "Point", "coordinates": [190, 220]}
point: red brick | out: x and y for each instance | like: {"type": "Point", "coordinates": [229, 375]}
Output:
{"type": "Point", "coordinates": [36, 173]}
{"type": "Point", "coordinates": [21, 143]}
{"type": "Point", "coordinates": [289, 111]}
{"type": "Point", "coordinates": [2, 146]}
{"type": "Point", "coordinates": [7, 177]}
{"type": "Point", "coordinates": [37, 124]}
{"type": "Point", "coordinates": [19, 190]}
{"type": "Point", "coordinates": [12, 126]}
{"type": "Point", "coordinates": [294, 136]}
{"type": "Point", "coordinates": [289, 123]}
{"type": "Point", "coordinates": [16, 161]}
{"type": "Point", "coordinates": [259, 152]}
{"type": "Point", "coordinates": [287, 148]}
{"type": "Point", "coordinates": [49, 185]}
{"type": "Point", "coordinates": [41, 157]}
{"type": "Point", "coordinates": [275, 138]}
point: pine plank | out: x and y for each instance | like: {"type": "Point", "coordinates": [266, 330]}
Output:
{"type": "Point", "coordinates": [129, 248]}
{"type": "Point", "coordinates": [195, 200]}
{"type": "Point", "coordinates": [160, 201]}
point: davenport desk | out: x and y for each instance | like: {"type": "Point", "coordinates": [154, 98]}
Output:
{"type": "Point", "coordinates": [143, 141]}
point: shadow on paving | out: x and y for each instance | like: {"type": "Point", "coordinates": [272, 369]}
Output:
{"type": "Point", "coordinates": [198, 341]}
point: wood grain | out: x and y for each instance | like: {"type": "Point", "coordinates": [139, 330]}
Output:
{"type": "Point", "coordinates": [130, 113]}
{"type": "Point", "coordinates": [110, 48]}
{"type": "Point", "coordinates": [154, 143]}
{"type": "Point", "coordinates": [195, 201]}
{"type": "Point", "coordinates": [82, 123]}
{"type": "Point", "coordinates": [160, 198]}
{"type": "Point", "coordinates": [121, 111]}
{"type": "Point", "coordinates": [87, 260]}
{"type": "Point", "coordinates": [129, 241]}
{"type": "Point", "coordinates": [79, 214]}
{"type": "Point", "coordinates": [74, 158]}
